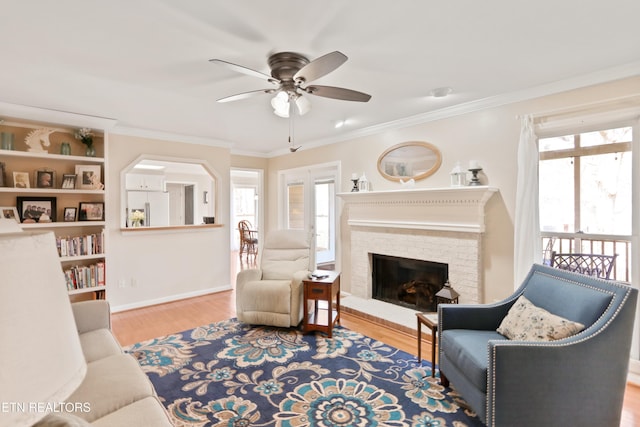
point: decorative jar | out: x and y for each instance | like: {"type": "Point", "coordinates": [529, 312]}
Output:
{"type": "Point", "coordinates": [7, 140]}
{"type": "Point", "coordinates": [65, 149]}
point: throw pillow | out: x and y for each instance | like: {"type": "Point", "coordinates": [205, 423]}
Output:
{"type": "Point", "coordinates": [527, 322]}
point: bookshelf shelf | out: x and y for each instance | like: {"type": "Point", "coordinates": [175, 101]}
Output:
{"type": "Point", "coordinates": [30, 164]}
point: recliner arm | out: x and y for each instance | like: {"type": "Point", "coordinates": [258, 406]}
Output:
{"type": "Point", "coordinates": [246, 276]}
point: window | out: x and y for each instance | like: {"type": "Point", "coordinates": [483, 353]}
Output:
{"type": "Point", "coordinates": [585, 192]}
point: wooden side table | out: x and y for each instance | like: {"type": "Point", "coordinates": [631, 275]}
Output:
{"type": "Point", "coordinates": [321, 290]}
{"type": "Point", "coordinates": [431, 321]}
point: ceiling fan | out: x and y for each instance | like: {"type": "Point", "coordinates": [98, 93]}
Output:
{"type": "Point", "coordinates": [291, 73]}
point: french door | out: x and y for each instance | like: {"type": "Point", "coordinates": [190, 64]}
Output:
{"type": "Point", "coordinates": [308, 203]}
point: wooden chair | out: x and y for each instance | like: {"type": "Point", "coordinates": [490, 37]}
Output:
{"type": "Point", "coordinates": [248, 239]}
{"type": "Point", "coordinates": [595, 265]}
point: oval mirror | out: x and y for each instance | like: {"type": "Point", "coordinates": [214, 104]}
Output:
{"type": "Point", "coordinates": [409, 160]}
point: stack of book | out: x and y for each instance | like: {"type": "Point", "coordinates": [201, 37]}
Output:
{"type": "Point", "coordinates": [85, 276]}
{"type": "Point", "coordinates": [89, 244]}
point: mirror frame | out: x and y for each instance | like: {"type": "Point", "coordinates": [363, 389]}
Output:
{"type": "Point", "coordinates": [423, 175]}
{"type": "Point", "coordinates": [123, 193]}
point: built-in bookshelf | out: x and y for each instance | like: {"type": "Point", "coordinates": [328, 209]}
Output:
{"type": "Point", "coordinates": [51, 184]}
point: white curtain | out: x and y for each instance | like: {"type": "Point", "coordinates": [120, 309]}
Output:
{"type": "Point", "coordinates": [527, 241]}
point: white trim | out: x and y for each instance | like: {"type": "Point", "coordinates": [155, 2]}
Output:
{"type": "Point", "coordinates": [26, 112]}
{"type": "Point", "coordinates": [171, 298]}
{"type": "Point", "coordinates": [168, 136]}
{"type": "Point", "coordinates": [588, 117]}
{"type": "Point", "coordinates": [611, 74]}
{"type": "Point", "coordinates": [419, 225]}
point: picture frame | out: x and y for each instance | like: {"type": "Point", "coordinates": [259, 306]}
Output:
{"type": "Point", "coordinates": [21, 180]}
{"type": "Point", "coordinates": [70, 214]}
{"type": "Point", "coordinates": [91, 211]}
{"type": "Point", "coordinates": [45, 178]}
{"type": "Point", "coordinates": [89, 177]}
{"type": "Point", "coordinates": [9, 212]}
{"type": "Point", "coordinates": [69, 181]}
{"type": "Point", "coordinates": [34, 209]}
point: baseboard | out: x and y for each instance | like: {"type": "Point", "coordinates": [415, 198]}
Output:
{"type": "Point", "coordinates": [171, 298]}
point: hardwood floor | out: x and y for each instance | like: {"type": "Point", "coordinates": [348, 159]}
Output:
{"type": "Point", "coordinates": [141, 324]}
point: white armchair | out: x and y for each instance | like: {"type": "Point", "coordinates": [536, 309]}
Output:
{"type": "Point", "coordinates": [272, 294]}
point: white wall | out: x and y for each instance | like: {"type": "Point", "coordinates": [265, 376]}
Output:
{"type": "Point", "coordinates": [165, 265]}
{"type": "Point", "coordinates": [489, 136]}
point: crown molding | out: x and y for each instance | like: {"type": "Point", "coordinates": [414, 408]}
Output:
{"type": "Point", "coordinates": [611, 74]}
{"type": "Point", "coordinates": [29, 113]}
{"type": "Point", "coordinates": [168, 136]}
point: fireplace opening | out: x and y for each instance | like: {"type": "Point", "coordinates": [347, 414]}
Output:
{"type": "Point", "coordinates": [407, 282]}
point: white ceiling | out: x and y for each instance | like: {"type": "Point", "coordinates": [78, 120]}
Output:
{"type": "Point", "coordinates": [145, 62]}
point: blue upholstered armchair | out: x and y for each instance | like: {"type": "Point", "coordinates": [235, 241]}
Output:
{"type": "Point", "coordinates": [578, 380]}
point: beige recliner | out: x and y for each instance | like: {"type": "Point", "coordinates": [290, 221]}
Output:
{"type": "Point", "coordinates": [272, 294]}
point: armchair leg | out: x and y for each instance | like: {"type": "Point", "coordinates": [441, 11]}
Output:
{"type": "Point", "coordinates": [444, 381]}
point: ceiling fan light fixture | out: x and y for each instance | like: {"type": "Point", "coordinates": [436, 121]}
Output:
{"type": "Point", "coordinates": [280, 104]}
{"type": "Point", "coordinates": [303, 104]}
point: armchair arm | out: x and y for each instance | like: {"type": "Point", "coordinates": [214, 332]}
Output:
{"type": "Point", "coordinates": [297, 291]}
{"type": "Point", "coordinates": [479, 317]}
{"type": "Point", "coordinates": [92, 315]}
{"type": "Point", "coordinates": [298, 277]}
{"type": "Point", "coordinates": [523, 375]}
{"type": "Point", "coordinates": [245, 276]}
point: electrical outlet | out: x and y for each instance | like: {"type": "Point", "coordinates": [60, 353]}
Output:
{"type": "Point", "coordinates": [134, 283]}
{"type": "Point", "coordinates": [122, 283]}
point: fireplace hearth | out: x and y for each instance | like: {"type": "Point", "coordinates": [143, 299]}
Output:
{"type": "Point", "coordinates": [410, 283]}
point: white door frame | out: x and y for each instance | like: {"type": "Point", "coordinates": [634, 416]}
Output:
{"type": "Point", "coordinates": [307, 175]}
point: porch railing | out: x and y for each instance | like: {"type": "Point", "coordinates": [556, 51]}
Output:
{"type": "Point", "coordinates": [591, 244]}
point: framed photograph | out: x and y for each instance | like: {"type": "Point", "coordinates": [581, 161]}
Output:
{"type": "Point", "coordinates": [91, 211]}
{"type": "Point", "coordinates": [69, 181]}
{"type": "Point", "coordinates": [70, 214]}
{"type": "Point", "coordinates": [33, 209]}
{"type": "Point", "coordinates": [45, 178]}
{"type": "Point", "coordinates": [10, 212]}
{"type": "Point", "coordinates": [21, 180]}
{"type": "Point", "coordinates": [89, 177]}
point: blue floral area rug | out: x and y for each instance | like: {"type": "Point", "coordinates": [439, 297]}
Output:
{"type": "Point", "coordinates": [235, 375]}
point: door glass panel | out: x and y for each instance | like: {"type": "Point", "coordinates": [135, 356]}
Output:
{"type": "Point", "coordinates": [324, 220]}
{"type": "Point", "coordinates": [295, 206]}
{"type": "Point", "coordinates": [244, 204]}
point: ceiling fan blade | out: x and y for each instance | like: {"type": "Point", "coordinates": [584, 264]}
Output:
{"type": "Point", "coordinates": [245, 95]}
{"type": "Point", "coordinates": [338, 93]}
{"type": "Point", "coordinates": [320, 67]}
{"type": "Point", "coordinates": [245, 70]}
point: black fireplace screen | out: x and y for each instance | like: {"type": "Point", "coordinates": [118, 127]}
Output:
{"type": "Point", "coordinates": [408, 282]}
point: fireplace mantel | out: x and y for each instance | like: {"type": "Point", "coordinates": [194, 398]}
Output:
{"type": "Point", "coordinates": [445, 209]}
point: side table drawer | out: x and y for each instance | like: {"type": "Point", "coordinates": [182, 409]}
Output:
{"type": "Point", "coordinates": [318, 291]}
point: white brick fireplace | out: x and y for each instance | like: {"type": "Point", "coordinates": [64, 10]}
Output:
{"type": "Point", "coordinates": [442, 225]}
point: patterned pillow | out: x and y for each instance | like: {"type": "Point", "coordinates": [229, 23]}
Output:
{"type": "Point", "coordinates": [526, 322]}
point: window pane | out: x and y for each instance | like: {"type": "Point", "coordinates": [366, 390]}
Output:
{"type": "Point", "coordinates": [556, 195]}
{"type": "Point", "coordinates": [603, 137]}
{"type": "Point", "coordinates": [244, 204]}
{"type": "Point", "coordinates": [556, 143]}
{"type": "Point", "coordinates": [322, 216]}
{"type": "Point", "coordinates": [605, 194]}
{"type": "Point", "coordinates": [295, 204]}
